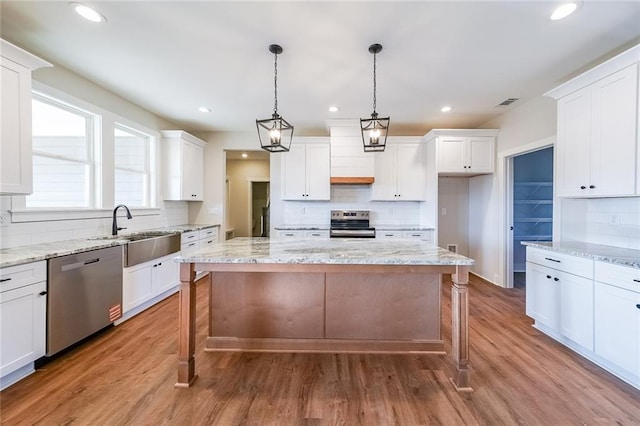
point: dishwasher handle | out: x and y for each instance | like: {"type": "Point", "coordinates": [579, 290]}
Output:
{"type": "Point", "coordinates": [78, 265]}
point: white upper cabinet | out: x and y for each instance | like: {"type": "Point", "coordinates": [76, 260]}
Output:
{"type": "Point", "coordinates": [184, 166]}
{"type": "Point", "coordinates": [15, 137]}
{"type": "Point", "coordinates": [306, 170]}
{"type": "Point", "coordinates": [400, 171]}
{"type": "Point", "coordinates": [596, 149]}
{"type": "Point", "coordinates": [464, 152]}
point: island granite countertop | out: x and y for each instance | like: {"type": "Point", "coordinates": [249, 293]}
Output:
{"type": "Point", "coordinates": [610, 254]}
{"type": "Point", "coordinates": [336, 251]}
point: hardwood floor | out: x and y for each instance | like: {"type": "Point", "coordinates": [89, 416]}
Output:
{"type": "Point", "coordinates": [126, 376]}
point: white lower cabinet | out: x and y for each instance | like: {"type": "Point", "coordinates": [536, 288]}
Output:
{"type": "Point", "coordinates": [23, 304]}
{"type": "Point", "coordinates": [559, 300]}
{"type": "Point", "coordinates": [144, 282]}
{"type": "Point", "coordinates": [617, 313]}
{"type": "Point", "coordinates": [591, 307]}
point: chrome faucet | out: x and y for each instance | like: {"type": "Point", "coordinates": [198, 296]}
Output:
{"type": "Point", "coordinates": [114, 225]}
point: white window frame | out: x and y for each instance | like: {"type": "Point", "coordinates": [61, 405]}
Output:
{"type": "Point", "coordinates": [92, 124]}
{"type": "Point", "coordinates": [103, 168]}
{"type": "Point", "coordinates": [150, 171]}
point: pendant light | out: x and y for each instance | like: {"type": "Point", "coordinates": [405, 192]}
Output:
{"type": "Point", "coordinates": [374, 129]}
{"type": "Point", "coordinates": [275, 133]}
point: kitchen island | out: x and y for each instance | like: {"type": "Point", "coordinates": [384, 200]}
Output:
{"type": "Point", "coordinates": [325, 295]}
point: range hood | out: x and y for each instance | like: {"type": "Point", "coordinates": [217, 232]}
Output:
{"type": "Point", "coordinates": [352, 180]}
{"type": "Point", "coordinates": [350, 165]}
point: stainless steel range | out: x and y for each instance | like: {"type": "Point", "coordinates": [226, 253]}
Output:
{"type": "Point", "coordinates": [351, 224]}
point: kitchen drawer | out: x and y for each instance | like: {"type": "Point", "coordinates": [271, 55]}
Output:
{"type": "Point", "coordinates": [190, 247]}
{"type": "Point", "coordinates": [316, 234]}
{"type": "Point", "coordinates": [572, 264]}
{"type": "Point", "coordinates": [189, 237]}
{"type": "Point", "coordinates": [206, 242]}
{"type": "Point", "coordinates": [417, 235]}
{"type": "Point", "coordinates": [382, 234]}
{"type": "Point", "coordinates": [290, 234]}
{"type": "Point", "coordinates": [618, 275]}
{"type": "Point", "coordinates": [208, 234]}
{"type": "Point", "coordinates": [18, 276]}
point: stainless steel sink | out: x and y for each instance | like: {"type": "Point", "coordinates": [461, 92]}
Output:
{"type": "Point", "coordinates": [144, 246]}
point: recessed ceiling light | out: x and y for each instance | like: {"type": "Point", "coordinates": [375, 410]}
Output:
{"type": "Point", "coordinates": [334, 108]}
{"type": "Point", "coordinates": [244, 155]}
{"type": "Point", "coordinates": [204, 109]}
{"type": "Point", "coordinates": [87, 12]}
{"type": "Point", "coordinates": [446, 109]}
{"type": "Point", "coordinates": [563, 11]}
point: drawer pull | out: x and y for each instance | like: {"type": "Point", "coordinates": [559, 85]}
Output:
{"type": "Point", "coordinates": [551, 260]}
{"type": "Point", "coordinates": [9, 279]}
{"type": "Point", "coordinates": [556, 279]}
{"type": "Point", "coordinates": [42, 293]}
{"type": "Point", "coordinates": [548, 277]}
{"type": "Point", "coordinates": [637, 281]}
{"type": "Point", "coordinates": [638, 305]}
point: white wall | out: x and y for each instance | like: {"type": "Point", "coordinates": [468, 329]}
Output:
{"type": "Point", "coordinates": [519, 128]}
{"type": "Point", "coordinates": [453, 211]}
{"type": "Point", "coordinates": [26, 233]}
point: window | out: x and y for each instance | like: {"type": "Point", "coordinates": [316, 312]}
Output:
{"type": "Point", "coordinates": [133, 174]}
{"type": "Point", "coordinates": [62, 155]}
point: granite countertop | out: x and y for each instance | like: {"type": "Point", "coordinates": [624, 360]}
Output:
{"type": "Point", "coordinates": [36, 252]}
{"type": "Point", "coordinates": [344, 251]}
{"type": "Point", "coordinates": [610, 254]}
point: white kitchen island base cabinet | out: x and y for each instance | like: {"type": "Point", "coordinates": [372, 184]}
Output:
{"type": "Point", "coordinates": [146, 284]}
{"type": "Point", "coordinates": [23, 304]}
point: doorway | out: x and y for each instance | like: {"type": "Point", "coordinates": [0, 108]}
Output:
{"type": "Point", "coordinates": [247, 192]}
{"type": "Point", "coordinates": [259, 195]}
{"type": "Point", "coordinates": [531, 207]}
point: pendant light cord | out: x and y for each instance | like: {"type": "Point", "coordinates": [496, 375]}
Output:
{"type": "Point", "coordinates": [275, 85]}
{"type": "Point", "coordinates": [374, 83]}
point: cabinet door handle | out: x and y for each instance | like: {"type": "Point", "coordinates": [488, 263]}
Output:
{"type": "Point", "coordinates": [583, 187]}
{"type": "Point", "coordinates": [551, 260]}
{"type": "Point", "coordinates": [637, 281]}
{"type": "Point", "coordinates": [556, 279]}
{"type": "Point", "coordinates": [592, 187]}
{"type": "Point", "coordinates": [42, 293]}
{"type": "Point", "coordinates": [548, 277]}
{"type": "Point", "coordinates": [638, 305]}
{"type": "Point", "coordinates": [4, 280]}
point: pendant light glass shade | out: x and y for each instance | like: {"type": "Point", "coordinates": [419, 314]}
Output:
{"type": "Point", "coordinates": [374, 129]}
{"type": "Point", "coordinates": [275, 133]}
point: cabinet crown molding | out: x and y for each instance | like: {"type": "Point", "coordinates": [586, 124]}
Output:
{"type": "Point", "coordinates": [434, 133]}
{"type": "Point", "coordinates": [181, 134]}
{"type": "Point", "coordinates": [618, 62]}
{"type": "Point", "coordinates": [21, 56]}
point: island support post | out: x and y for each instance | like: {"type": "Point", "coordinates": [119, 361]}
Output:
{"type": "Point", "coordinates": [187, 326]}
{"type": "Point", "coordinates": [460, 328]}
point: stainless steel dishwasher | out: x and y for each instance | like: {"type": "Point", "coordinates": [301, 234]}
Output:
{"type": "Point", "coordinates": [84, 295]}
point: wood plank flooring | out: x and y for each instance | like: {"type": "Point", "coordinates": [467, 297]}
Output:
{"type": "Point", "coordinates": [521, 377]}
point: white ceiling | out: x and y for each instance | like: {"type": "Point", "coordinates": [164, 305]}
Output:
{"type": "Point", "coordinates": [170, 57]}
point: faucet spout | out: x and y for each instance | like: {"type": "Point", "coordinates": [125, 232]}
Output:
{"type": "Point", "coordinates": [114, 225]}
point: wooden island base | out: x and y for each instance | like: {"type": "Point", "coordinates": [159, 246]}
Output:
{"type": "Point", "coordinates": [325, 308]}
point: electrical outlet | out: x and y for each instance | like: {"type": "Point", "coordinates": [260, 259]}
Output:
{"type": "Point", "coordinates": [5, 218]}
{"type": "Point", "coordinates": [444, 211]}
